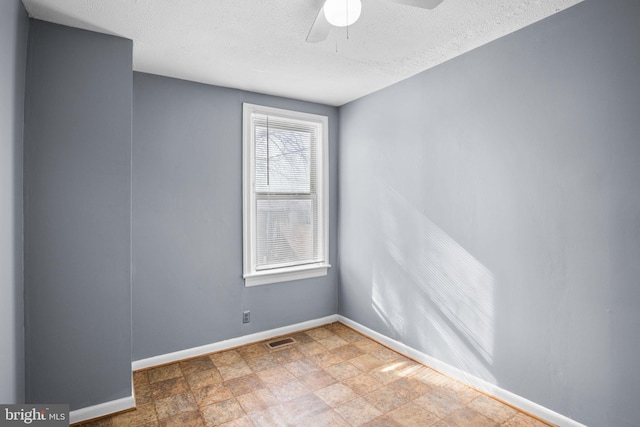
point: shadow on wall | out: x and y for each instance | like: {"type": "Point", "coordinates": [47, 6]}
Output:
{"type": "Point", "coordinates": [430, 291]}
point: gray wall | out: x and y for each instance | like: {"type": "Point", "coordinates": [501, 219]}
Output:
{"type": "Point", "coordinates": [77, 182]}
{"type": "Point", "coordinates": [490, 212]}
{"type": "Point", "coordinates": [13, 58]}
{"type": "Point", "coordinates": [187, 221]}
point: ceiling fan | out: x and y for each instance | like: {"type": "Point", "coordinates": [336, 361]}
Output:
{"type": "Point", "coordinates": [341, 13]}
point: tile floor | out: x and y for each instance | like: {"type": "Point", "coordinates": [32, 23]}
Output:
{"type": "Point", "coordinates": [331, 376]}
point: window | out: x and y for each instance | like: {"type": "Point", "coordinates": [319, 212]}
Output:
{"type": "Point", "coordinates": [285, 202]}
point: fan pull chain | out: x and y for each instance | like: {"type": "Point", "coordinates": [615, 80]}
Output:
{"type": "Point", "coordinates": [347, 4]}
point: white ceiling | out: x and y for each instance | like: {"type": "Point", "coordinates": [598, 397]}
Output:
{"type": "Point", "coordinates": [259, 45]}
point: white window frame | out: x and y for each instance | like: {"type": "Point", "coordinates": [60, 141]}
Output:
{"type": "Point", "coordinates": [253, 276]}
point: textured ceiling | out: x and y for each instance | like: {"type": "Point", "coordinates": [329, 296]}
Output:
{"type": "Point", "coordinates": [259, 45]}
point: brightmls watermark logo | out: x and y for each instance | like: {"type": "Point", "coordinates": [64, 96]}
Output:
{"type": "Point", "coordinates": [34, 415]}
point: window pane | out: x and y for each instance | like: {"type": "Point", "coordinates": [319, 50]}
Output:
{"type": "Point", "coordinates": [282, 160]}
{"type": "Point", "coordinates": [285, 229]}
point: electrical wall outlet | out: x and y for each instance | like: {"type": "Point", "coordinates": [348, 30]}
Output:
{"type": "Point", "coordinates": [246, 316]}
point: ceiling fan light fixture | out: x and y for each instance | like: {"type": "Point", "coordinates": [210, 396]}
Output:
{"type": "Point", "coordinates": [341, 13]}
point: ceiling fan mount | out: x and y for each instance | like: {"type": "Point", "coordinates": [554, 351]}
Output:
{"type": "Point", "coordinates": [341, 13]}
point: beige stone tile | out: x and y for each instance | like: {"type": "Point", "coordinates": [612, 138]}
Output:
{"type": "Point", "coordinates": [316, 380]}
{"type": "Point", "coordinates": [493, 409]}
{"type": "Point", "coordinates": [201, 379]}
{"type": "Point", "coordinates": [288, 390]}
{"type": "Point", "coordinates": [151, 424]}
{"type": "Point", "coordinates": [300, 409]}
{"type": "Point", "coordinates": [164, 373]}
{"type": "Point", "coordinates": [312, 348]}
{"type": "Point", "coordinates": [274, 416]}
{"type": "Point", "coordinates": [301, 367]}
{"type": "Point", "coordinates": [143, 414]}
{"type": "Point", "coordinates": [170, 387]}
{"type": "Point", "coordinates": [466, 416]}
{"type": "Point", "coordinates": [287, 355]}
{"type": "Point", "coordinates": [175, 405]}
{"type": "Point", "coordinates": [319, 333]}
{"type": "Point", "coordinates": [418, 386]}
{"type": "Point", "coordinates": [395, 370]}
{"type": "Point", "coordinates": [335, 326]}
{"type": "Point", "coordinates": [366, 362]}
{"type": "Point", "coordinates": [418, 370]}
{"type": "Point", "coordinates": [460, 391]}
{"type": "Point", "coordinates": [245, 384]}
{"type": "Point", "coordinates": [404, 387]}
{"type": "Point", "coordinates": [223, 358]}
{"type": "Point", "coordinates": [143, 394]}
{"type": "Point", "coordinates": [347, 352]}
{"type": "Point", "coordinates": [382, 421]}
{"type": "Point", "coordinates": [362, 384]}
{"type": "Point", "coordinates": [252, 350]}
{"type": "Point", "coordinates": [522, 420]}
{"type": "Point", "coordinates": [332, 342]}
{"type": "Point", "coordinates": [239, 422]}
{"type": "Point", "coordinates": [327, 418]}
{"type": "Point", "coordinates": [211, 394]}
{"type": "Point", "coordinates": [101, 422]}
{"type": "Point", "coordinates": [262, 362]}
{"type": "Point", "coordinates": [324, 360]}
{"type": "Point", "coordinates": [185, 419]}
{"type": "Point", "coordinates": [386, 355]}
{"type": "Point", "coordinates": [275, 376]}
{"type": "Point", "coordinates": [408, 367]}
{"type": "Point", "coordinates": [439, 403]}
{"type": "Point", "coordinates": [346, 333]}
{"type": "Point", "coordinates": [257, 400]}
{"type": "Point", "coordinates": [432, 378]}
{"type": "Point", "coordinates": [140, 378]}
{"type": "Point", "coordinates": [387, 373]}
{"type": "Point", "coordinates": [369, 346]}
{"type": "Point", "coordinates": [197, 364]}
{"type": "Point", "coordinates": [301, 338]}
{"type": "Point", "coordinates": [387, 398]}
{"type": "Point", "coordinates": [222, 412]}
{"type": "Point", "coordinates": [358, 412]}
{"type": "Point", "coordinates": [342, 371]}
{"type": "Point", "coordinates": [350, 336]}
{"type": "Point", "coordinates": [336, 394]}
{"type": "Point", "coordinates": [411, 415]}
{"type": "Point", "coordinates": [234, 370]}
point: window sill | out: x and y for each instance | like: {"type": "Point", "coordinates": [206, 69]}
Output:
{"type": "Point", "coordinates": [285, 274]}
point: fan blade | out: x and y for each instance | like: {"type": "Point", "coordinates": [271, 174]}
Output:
{"type": "Point", "coordinates": [320, 28]}
{"type": "Point", "coordinates": [425, 4]}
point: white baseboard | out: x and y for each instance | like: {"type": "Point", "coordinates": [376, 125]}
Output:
{"type": "Point", "coordinates": [102, 409]}
{"type": "Point", "coordinates": [230, 343]}
{"type": "Point", "coordinates": [466, 378]}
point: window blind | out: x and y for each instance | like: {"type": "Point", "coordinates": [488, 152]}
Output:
{"type": "Point", "coordinates": [285, 192]}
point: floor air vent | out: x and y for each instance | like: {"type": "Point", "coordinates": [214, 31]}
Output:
{"type": "Point", "coordinates": [279, 343]}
